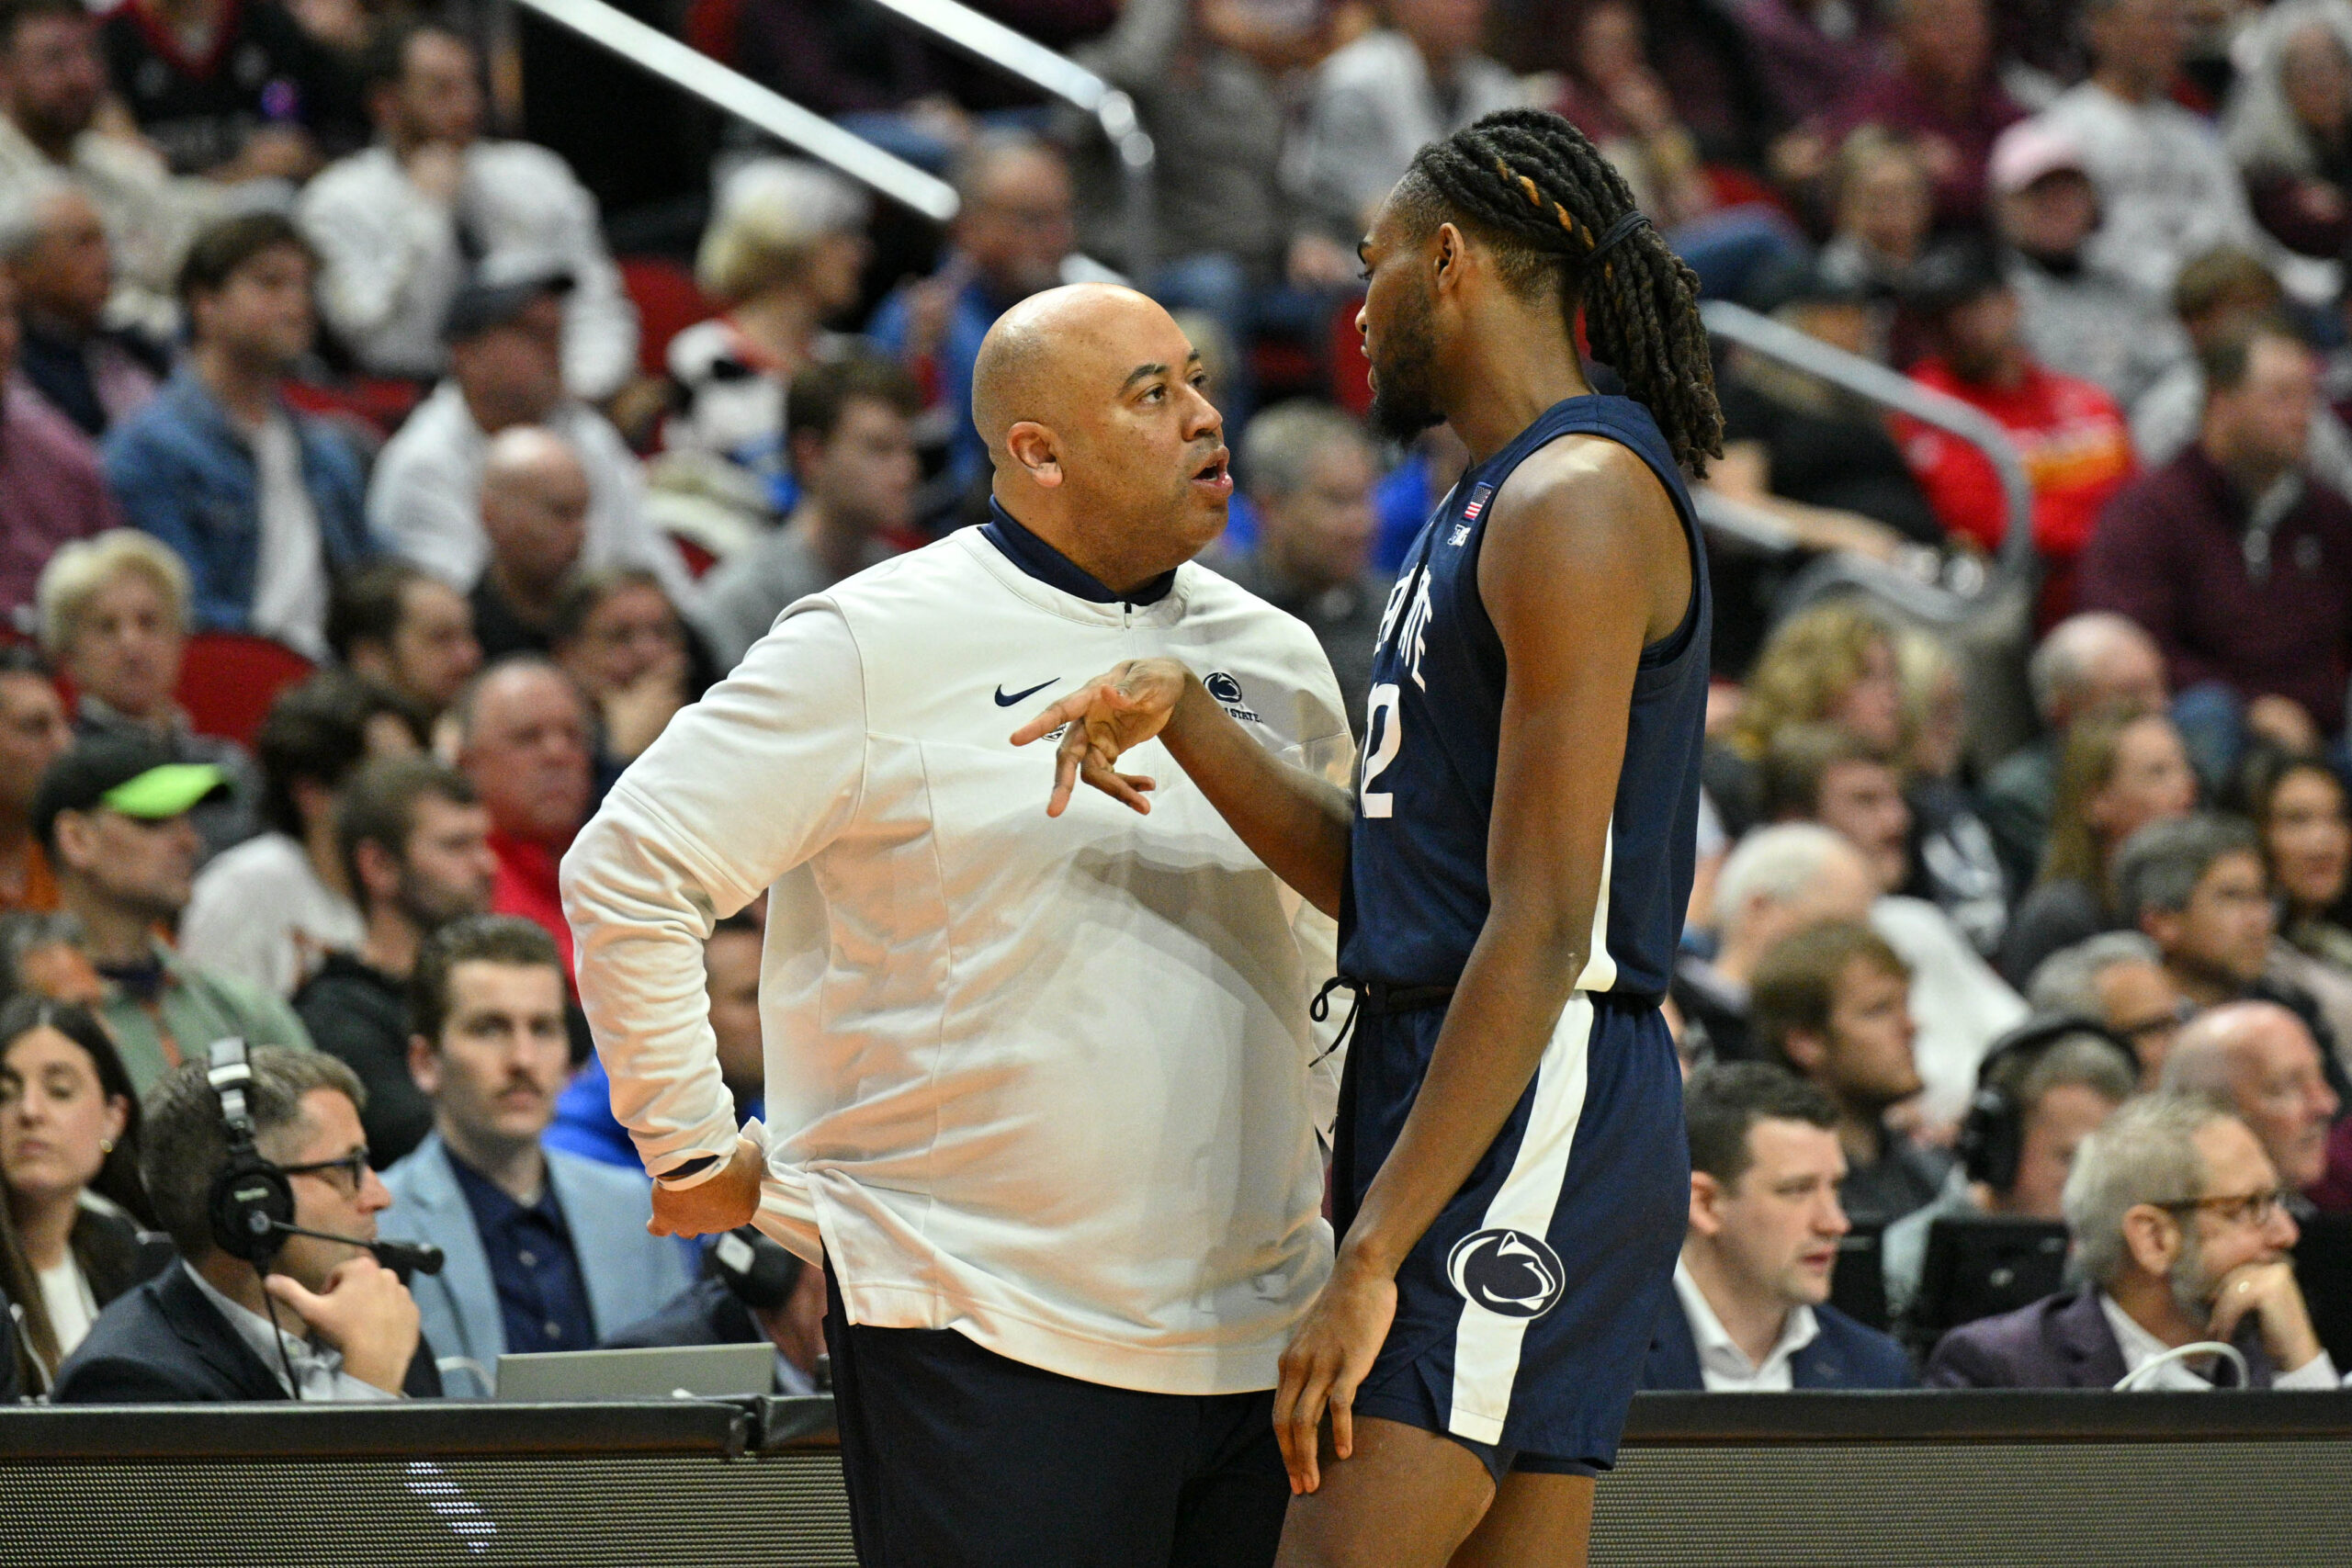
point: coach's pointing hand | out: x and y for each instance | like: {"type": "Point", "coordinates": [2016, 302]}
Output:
{"type": "Point", "coordinates": [1112, 714]}
{"type": "Point", "coordinates": [727, 1200]}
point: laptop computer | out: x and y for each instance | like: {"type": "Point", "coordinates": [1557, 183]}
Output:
{"type": "Point", "coordinates": [1858, 1281]}
{"type": "Point", "coordinates": [695, 1371]}
{"type": "Point", "coordinates": [1979, 1265]}
{"type": "Point", "coordinates": [2324, 1269]}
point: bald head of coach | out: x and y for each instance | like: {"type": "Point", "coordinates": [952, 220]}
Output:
{"type": "Point", "coordinates": [1106, 446]}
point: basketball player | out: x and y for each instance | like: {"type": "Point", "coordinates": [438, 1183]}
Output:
{"type": "Point", "coordinates": [1041, 1089]}
{"type": "Point", "coordinates": [1511, 869]}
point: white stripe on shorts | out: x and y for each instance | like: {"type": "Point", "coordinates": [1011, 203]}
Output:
{"type": "Point", "coordinates": [1486, 1344]}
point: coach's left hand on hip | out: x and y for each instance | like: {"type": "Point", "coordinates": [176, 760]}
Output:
{"type": "Point", "coordinates": [725, 1201]}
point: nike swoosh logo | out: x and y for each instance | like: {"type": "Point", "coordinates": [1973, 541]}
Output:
{"type": "Point", "coordinates": [1004, 702]}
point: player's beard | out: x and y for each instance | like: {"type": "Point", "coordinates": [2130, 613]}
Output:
{"type": "Point", "coordinates": [1403, 403]}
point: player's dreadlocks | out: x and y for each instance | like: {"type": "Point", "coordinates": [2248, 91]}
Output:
{"type": "Point", "coordinates": [1531, 185]}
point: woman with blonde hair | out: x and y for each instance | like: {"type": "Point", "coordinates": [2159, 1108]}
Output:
{"type": "Point", "coordinates": [1954, 862]}
{"type": "Point", "coordinates": [114, 622]}
{"type": "Point", "coordinates": [782, 256]}
{"type": "Point", "coordinates": [2120, 771]}
{"type": "Point", "coordinates": [1833, 664]}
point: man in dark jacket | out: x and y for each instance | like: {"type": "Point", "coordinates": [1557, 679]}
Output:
{"type": "Point", "coordinates": [415, 844]}
{"type": "Point", "coordinates": [322, 1320]}
{"type": "Point", "coordinates": [1749, 1310]}
{"type": "Point", "coordinates": [1832, 1004]}
{"type": "Point", "coordinates": [2182, 1230]}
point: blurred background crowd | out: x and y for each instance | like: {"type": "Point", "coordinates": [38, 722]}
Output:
{"type": "Point", "coordinates": [407, 411]}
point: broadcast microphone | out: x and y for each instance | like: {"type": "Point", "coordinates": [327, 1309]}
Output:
{"type": "Point", "coordinates": [402, 1257]}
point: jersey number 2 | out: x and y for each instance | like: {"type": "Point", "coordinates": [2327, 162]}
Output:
{"type": "Point", "coordinates": [1384, 734]}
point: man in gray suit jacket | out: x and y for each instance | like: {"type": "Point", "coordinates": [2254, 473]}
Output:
{"type": "Point", "coordinates": [546, 1251]}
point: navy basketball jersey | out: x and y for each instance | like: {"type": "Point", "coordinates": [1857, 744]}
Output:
{"type": "Point", "coordinates": [1425, 786]}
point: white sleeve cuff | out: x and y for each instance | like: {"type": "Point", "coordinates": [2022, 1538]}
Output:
{"type": "Point", "coordinates": [718, 1160]}
{"type": "Point", "coordinates": [2317, 1373]}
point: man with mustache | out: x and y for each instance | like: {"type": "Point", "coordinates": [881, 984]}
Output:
{"type": "Point", "coordinates": [546, 1251]}
{"type": "Point", "coordinates": [1041, 1090]}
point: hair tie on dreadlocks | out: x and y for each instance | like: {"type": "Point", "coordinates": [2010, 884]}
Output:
{"type": "Point", "coordinates": [1619, 232]}
{"type": "Point", "coordinates": [1559, 217]}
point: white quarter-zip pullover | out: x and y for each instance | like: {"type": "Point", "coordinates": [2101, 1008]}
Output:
{"type": "Point", "coordinates": [1046, 1081]}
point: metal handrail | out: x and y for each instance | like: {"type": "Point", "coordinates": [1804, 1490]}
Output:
{"type": "Point", "coordinates": [993, 43]}
{"type": "Point", "coordinates": [723, 87]}
{"type": "Point", "coordinates": [2017, 559]}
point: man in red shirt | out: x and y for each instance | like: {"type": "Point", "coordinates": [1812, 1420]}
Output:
{"type": "Point", "coordinates": [523, 739]}
{"type": "Point", "coordinates": [2073, 439]}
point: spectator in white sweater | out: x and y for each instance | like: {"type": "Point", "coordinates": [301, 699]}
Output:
{"type": "Point", "coordinates": [270, 910]}
{"type": "Point", "coordinates": [396, 224]}
{"type": "Point", "coordinates": [505, 350]}
{"type": "Point", "coordinates": [2166, 189]}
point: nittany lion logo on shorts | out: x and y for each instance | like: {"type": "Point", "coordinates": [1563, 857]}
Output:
{"type": "Point", "coordinates": [1507, 1271]}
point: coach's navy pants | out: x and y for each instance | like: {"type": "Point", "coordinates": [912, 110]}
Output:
{"type": "Point", "coordinates": [956, 1457]}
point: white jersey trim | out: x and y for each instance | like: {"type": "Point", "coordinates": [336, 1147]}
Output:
{"type": "Point", "coordinates": [1486, 1343]}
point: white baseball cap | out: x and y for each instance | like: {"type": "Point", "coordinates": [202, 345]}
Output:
{"type": "Point", "coordinates": [2027, 151]}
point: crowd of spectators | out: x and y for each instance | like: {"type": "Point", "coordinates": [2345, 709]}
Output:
{"type": "Point", "coordinates": [329, 399]}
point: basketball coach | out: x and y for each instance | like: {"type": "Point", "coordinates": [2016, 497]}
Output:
{"type": "Point", "coordinates": [1040, 1087]}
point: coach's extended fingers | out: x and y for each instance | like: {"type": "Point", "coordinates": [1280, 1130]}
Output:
{"type": "Point", "coordinates": [1125, 788]}
{"type": "Point", "coordinates": [1066, 761]}
{"type": "Point", "coordinates": [1067, 711]}
{"type": "Point", "coordinates": [1090, 701]}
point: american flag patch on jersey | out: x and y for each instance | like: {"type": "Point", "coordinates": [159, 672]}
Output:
{"type": "Point", "coordinates": [1477, 503]}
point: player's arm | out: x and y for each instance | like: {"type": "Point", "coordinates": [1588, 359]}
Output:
{"type": "Point", "coordinates": [1294, 820]}
{"type": "Point", "coordinates": [1578, 572]}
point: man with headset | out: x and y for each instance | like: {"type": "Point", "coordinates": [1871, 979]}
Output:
{"type": "Point", "coordinates": [2042, 1089]}
{"type": "Point", "coordinates": [313, 1318]}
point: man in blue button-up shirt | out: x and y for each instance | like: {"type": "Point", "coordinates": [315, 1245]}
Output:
{"type": "Point", "coordinates": [546, 1251]}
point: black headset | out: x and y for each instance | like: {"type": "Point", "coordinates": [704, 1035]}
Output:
{"type": "Point", "coordinates": [252, 1203]}
{"type": "Point", "coordinates": [1992, 1136]}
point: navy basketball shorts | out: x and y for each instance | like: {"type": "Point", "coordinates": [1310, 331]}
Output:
{"type": "Point", "coordinates": [1524, 1314]}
